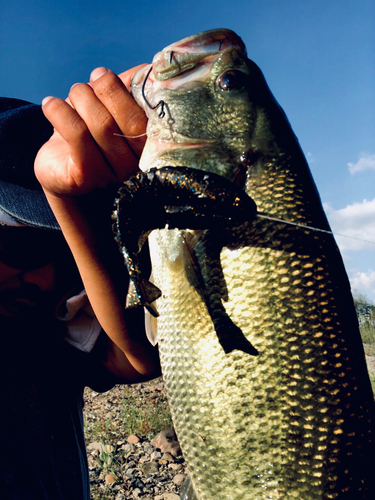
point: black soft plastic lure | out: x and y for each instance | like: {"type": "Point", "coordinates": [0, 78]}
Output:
{"type": "Point", "coordinates": [179, 198]}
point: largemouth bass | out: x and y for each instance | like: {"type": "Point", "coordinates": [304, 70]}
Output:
{"type": "Point", "coordinates": [292, 416]}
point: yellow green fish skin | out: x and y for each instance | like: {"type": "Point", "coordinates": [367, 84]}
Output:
{"type": "Point", "coordinates": [296, 421]}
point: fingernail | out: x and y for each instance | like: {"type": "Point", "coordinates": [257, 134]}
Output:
{"type": "Point", "coordinates": [97, 73]}
{"type": "Point", "coordinates": [46, 99]}
{"type": "Point", "coordinates": [74, 84]}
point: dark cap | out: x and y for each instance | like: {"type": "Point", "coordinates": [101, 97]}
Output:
{"type": "Point", "coordinates": [23, 131]}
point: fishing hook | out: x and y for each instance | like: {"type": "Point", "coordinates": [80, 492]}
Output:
{"type": "Point", "coordinates": [161, 103]}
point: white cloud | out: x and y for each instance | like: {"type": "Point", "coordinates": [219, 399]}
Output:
{"type": "Point", "coordinates": [309, 157]}
{"type": "Point", "coordinates": [363, 282]}
{"type": "Point", "coordinates": [356, 221]}
{"type": "Point", "coordinates": [365, 162]}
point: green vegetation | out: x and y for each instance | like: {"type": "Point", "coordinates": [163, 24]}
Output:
{"type": "Point", "coordinates": [145, 416]}
{"type": "Point", "coordinates": [143, 410]}
{"type": "Point", "coordinates": [136, 409]}
{"type": "Point", "coordinates": [366, 317]}
{"type": "Point", "coordinates": [365, 310]}
{"type": "Point", "coordinates": [110, 418]}
{"type": "Point", "coordinates": [368, 338]}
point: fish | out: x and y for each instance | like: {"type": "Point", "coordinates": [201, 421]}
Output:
{"type": "Point", "coordinates": [293, 417]}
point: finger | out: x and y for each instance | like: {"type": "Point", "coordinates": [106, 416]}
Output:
{"type": "Point", "coordinates": [127, 76]}
{"type": "Point", "coordinates": [129, 117]}
{"type": "Point", "coordinates": [87, 167]}
{"type": "Point", "coordinates": [68, 101]}
{"type": "Point", "coordinates": [67, 122]}
{"type": "Point", "coordinates": [104, 129]}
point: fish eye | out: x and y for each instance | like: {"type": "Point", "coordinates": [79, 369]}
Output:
{"type": "Point", "coordinates": [232, 79]}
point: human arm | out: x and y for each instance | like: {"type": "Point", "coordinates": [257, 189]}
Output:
{"type": "Point", "coordinates": [80, 168]}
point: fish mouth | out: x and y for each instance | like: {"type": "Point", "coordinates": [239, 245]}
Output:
{"type": "Point", "coordinates": [214, 40]}
{"type": "Point", "coordinates": [162, 89]}
{"type": "Point", "coordinates": [175, 140]}
{"type": "Point", "coordinates": [197, 52]}
{"type": "Point", "coordinates": [182, 56]}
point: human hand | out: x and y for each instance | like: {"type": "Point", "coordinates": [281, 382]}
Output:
{"type": "Point", "coordinates": [84, 153]}
{"type": "Point", "coordinates": [83, 156]}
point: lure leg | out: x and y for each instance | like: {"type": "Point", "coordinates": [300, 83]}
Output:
{"type": "Point", "coordinates": [205, 259]}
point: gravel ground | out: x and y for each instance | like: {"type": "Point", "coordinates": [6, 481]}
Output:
{"type": "Point", "coordinates": [123, 470]}
{"type": "Point", "coordinates": [123, 463]}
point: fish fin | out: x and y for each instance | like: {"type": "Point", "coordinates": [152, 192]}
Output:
{"type": "Point", "coordinates": [151, 327]}
{"type": "Point", "coordinates": [142, 293]}
{"type": "Point", "coordinates": [187, 491]}
{"type": "Point", "coordinates": [150, 294]}
{"type": "Point", "coordinates": [192, 269]}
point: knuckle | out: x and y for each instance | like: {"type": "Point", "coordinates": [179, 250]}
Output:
{"type": "Point", "coordinates": [78, 90]}
{"type": "Point", "coordinates": [104, 120]}
{"type": "Point", "coordinates": [108, 85]}
{"type": "Point", "coordinates": [53, 106]}
{"type": "Point", "coordinates": [136, 121]}
{"type": "Point", "coordinates": [79, 127]}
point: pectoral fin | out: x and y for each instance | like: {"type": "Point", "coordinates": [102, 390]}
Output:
{"type": "Point", "coordinates": [142, 292]}
{"type": "Point", "coordinates": [151, 327]}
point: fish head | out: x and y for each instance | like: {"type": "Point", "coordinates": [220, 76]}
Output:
{"type": "Point", "coordinates": [202, 96]}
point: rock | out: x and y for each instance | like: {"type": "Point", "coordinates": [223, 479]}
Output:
{"type": "Point", "coordinates": [168, 457]}
{"type": "Point", "coordinates": [120, 496]}
{"type": "Point", "coordinates": [136, 492]}
{"type": "Point", "coordinates": [110, 478]}
{"type": "Point", "coordinates": [129, 465]}
{"type": "Point", "coordinates": [137, 483]}
{"type": "Point", "coordinates": [155, 455]}
{"type": "Point", "coordinates": [175, 466]}
{"type": "Point", "coordinates": [93, 464]}
{"type": "Point", "coordinates": [150, 468]}
{"type": "Point", "coordinates": [167, 441]}
{"type": "Point", "coordinates": [133, 439]}
{"type": "Point", "coordinates": [150, 480]}
{"type": "Point", "coordinates": [107, 448]}
{"type": "Point", "coordinates": [97, 448]}
{"type": "Point", "coordinates": [171, 496]}
{"type": "Point", "coordinates": [179, 479]}
{"type": "Point", "coordinates": [127, 447]}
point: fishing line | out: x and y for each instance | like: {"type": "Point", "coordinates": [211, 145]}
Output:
{"type": "Point", "coordinates": [313, 228]}
{"type": "Point", "coordinates": [131, 136]}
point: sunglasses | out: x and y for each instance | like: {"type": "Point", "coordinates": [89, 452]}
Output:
{"type": "Point", "coordinates": [28, 248]}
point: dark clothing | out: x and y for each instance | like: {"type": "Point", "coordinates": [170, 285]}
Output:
{"type": "Point", "coordinates": [42, 377]}
{"type": "Point", "coordinates": [43, 453]}
{"type": "Point", "coordinates": [23, 131]}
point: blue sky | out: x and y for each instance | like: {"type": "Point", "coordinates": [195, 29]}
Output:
{"type": "Point", "coordinates": [317, 56]}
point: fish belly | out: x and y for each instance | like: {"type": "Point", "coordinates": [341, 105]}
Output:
{"type": "Point", "coordinates": [270, 426]}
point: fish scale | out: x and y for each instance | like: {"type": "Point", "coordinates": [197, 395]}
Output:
{"type": "Point", "coordinates": [295, 421]}
{"type": "Point", "coordinates": [300, 367]}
